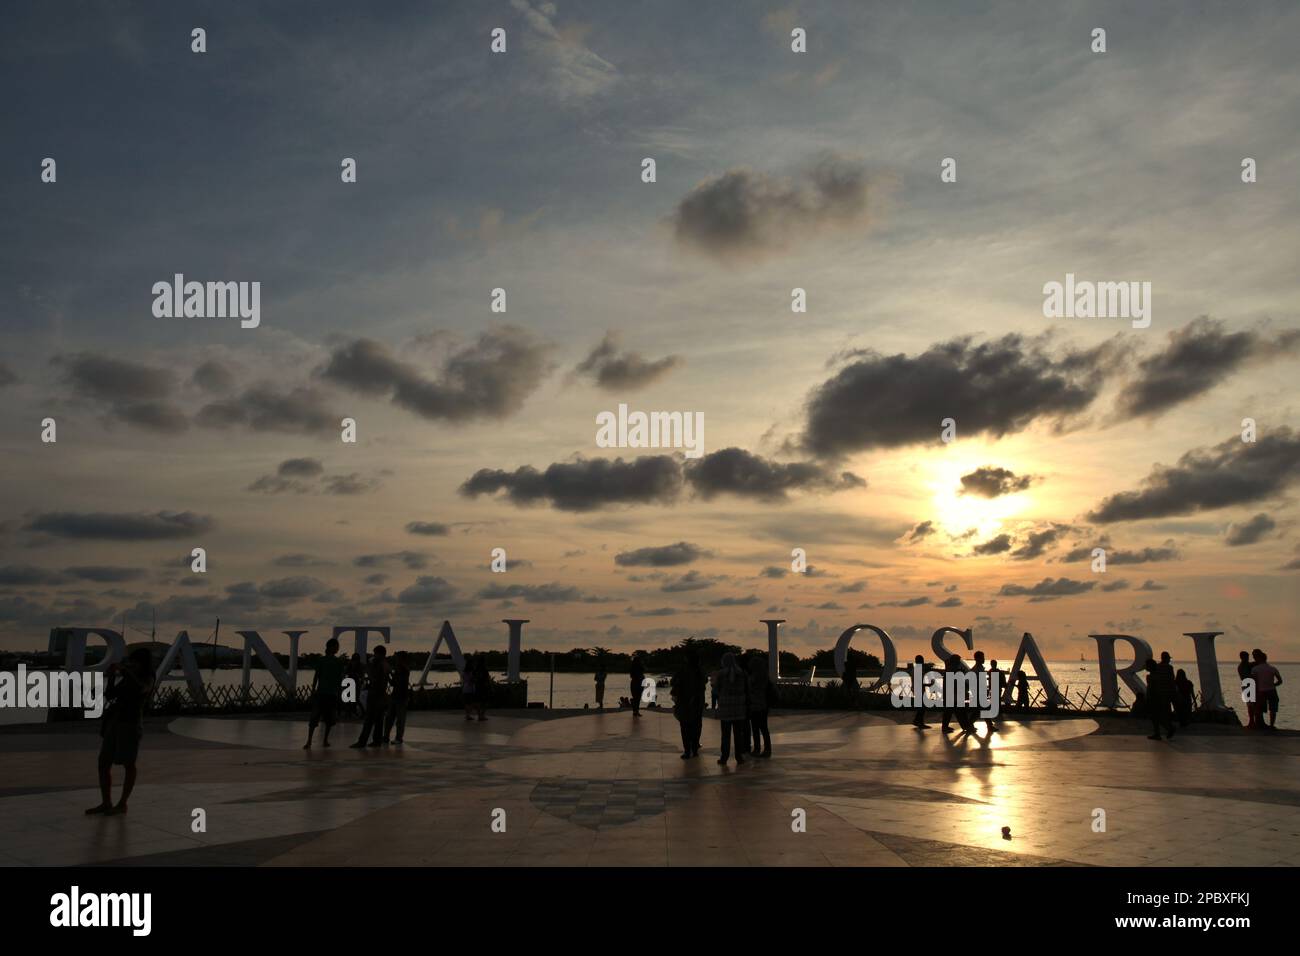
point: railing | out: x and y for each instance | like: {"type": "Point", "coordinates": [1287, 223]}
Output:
{"type": "Point", "coordinates": [169, 701]}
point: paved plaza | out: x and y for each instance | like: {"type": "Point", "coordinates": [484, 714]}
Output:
{"type": "Point", "coordinates": [597, 789]}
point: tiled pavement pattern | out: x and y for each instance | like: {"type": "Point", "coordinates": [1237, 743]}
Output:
{"type": "Point", "coordinates": [600, 789]}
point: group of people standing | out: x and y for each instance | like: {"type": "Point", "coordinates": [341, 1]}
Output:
{"type": "Point", "coordinates": [743, 697]}
{"type": "Point", "coordinates": [1256, 672]}
{"type": "Point", "coordinates": [382, 701]}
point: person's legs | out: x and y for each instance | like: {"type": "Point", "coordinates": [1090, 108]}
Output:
{"type": "Point", "coordinates": [105, 768]}
{"type": "Point", "coordinates": [947, 716]}
{"type": "Point", "coordinates": [741, 729]}
{"type": "Point", "coordinates": [726, 740]}
{"type": "Point", "coordinates": [401, 721]}
{"type": "Point", "coordinates": [128, 784]}
{"type": "Point", "coordinates": [390, 718]}
{"type": "Point", "coordinates": [767, 736]}
{"type": "Point", "coordinates": [684, 727]}
{"type": "Point", "coordinates": [311, 723]}
{"type": "Point", "coordinates": [697, 730]}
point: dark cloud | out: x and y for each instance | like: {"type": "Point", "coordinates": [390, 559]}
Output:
{"type": "Point", "coordinates": [25, 575]}
{"type": "Point", "coordinates": [743, 213]}
{"type": "Point", "coordinates": [746, 475]}
{"type": "Point", "coordinates": [735, 601]}
{"type": "Point", "coordinates": [288, 589]}
{"type": "Point", "coordinates": [1230, 473]}
{"type": "Point", "coordinates": [950, 602]}
{"type": "Point", "coordinates": [214, 376]}
{"type": "Point", "coordinates": [1249, 532]}
{"type": "Point", "coordinates": [1166, 552]}
{"type": "Point", "coordinates": [296, 560]}
{"type": "Point", "coordinates": [907, 602]}
{"type": "Point", "coordinates": [114, 380]}
{"type": "Point", "coordinates": [7, 376]}
{"type": "Point", "coordinates": [1038, 543]}
{"type": "Point", "coordinates": [1048, 589]}
{"type": "Point", "coordinates": [584, 484]}
{"type": "Point", "coordinates": [995, 388]}
{"type": "Point", "coordinates": [997, 545]}
{"type": "Point", "coordinates": [350, 484]}
{"type": "Point", "coordinates": [490, 378]}
{"type": "Point", "coordinates": [690, 581]}
{"type": "Point", "coordinates": [1149, 585]}
{"type": "Point", "coordinates": [105, 574]}
{"type": "Point", "coordinates": [429, 590]}
{"type": "Point", "coordinates": [130, 392]}
{"type": "Point", "coordinates": [1199, 356]}
{"type": "Point", "coordinates": [668, 555]}
{"type": "Point", "coordinates": [120, 527]}
{"type": "Point", "coordinates": [533, 593]}
{"type": "Point", "coordinates": [1120, 584]}
{"type": "Point", "coordinates": [990, 482]}
{"type": "Point", "coordinates": [413, 560]}
{"type": "Point", "coordinates": [263, 408]}
{"type": "Point", "coordinates": [427, 528]}
{"type": "Point", "coordinates": [772, 571]}
{"type": "Point", "coordinates": [920, 532]}
{"type": "Point", "coordinates": [300, 468]}
{"type": "Point", "coordinates": [622, 372]}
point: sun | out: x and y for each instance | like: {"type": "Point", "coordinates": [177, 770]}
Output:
{"type": "Point", "coordinates": [956, 513]}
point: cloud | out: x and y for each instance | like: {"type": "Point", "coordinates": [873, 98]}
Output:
{"type": "Point", "coordinates": [668, 555]}
{"type": "Point", "coordinates": [744, 214]}
{"type": "Point", "coordinates": [950, 602]}
{"type": "Point", "coordinates": [1149, 585]}
{"type": "Point", "coordinates": [26, 575]}
{"type": "Point", "coordinates": [994, 388]}
{"type": "Point", "coordinates": [130, 392]}
{"type": "Point", "coordinates": [263, 408]}
{"type": "Point", "coordinates": [1120, 584]}
{"type": "Point", "coordinates": [215, 376]}
{"type": "Point", "coordinates": [104, 574]}
{"type": "Point", "coordinates": [103, 526]}
{"type": "Point", "coordinates": [907, 602]}
{"type": "Point", "coordinates": [300, 468]}
{"type": "Point", "coordinates": [296, 560]}
{"type": "Point", "coordinates": [744, 474]}
{"type": "Point", "coordinates": [690, 581]}
{"type": "Point", "coordinates": [352, 483]}
{"type": "Point", "coordinates": [288, 589]}
{"type": "Point", "coordinates": [1038, 542]}
{"type": "Point", "coordinates": [413, 560]}
{"type": "Point", "coordinates": [990, 482]}
{"type": "Point", "coordinates": [735, 601]}
{"type": "Point", "coordinates": [306, 476]}
{"type": "Point", "coordinates": [920, 531]}
{"type": "Point", "coordinates": [1230, 473]}
{"type": "Point", "coordinates": [1048, 589]}
{"type": "Point", "coordinates": [997, 545]}
{"type": "Point", "coordinates": [553, 593]}
{"type": "Point", "coordinates": [572, 73]}
{"type": "Point", "coordinates": [1199, 356]}
{"type": "Point", "coordinates": [488, 379]}
{"type": "Point", "coordinates": [7, 376]}
{"type": "Point", "coordinates": [1167, 552]}
{"type": "Point", "coordinates": [1250, 531]}
{"type": "Point", "coordinates": [614, 372]}
{"type": "Point", "coordinates": [429, 590]}
{"type": "Point", "coordinates": [584, 484]}
{"type": "Point", "coordinates": [432, 528]}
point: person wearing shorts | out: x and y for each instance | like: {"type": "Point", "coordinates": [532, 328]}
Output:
{"type": "Point", "coordinates": [1267, 678]}
{"type": "Point", "coordinates": [326, 687]}
{"type": "Point", "coordinates": [128, 691]}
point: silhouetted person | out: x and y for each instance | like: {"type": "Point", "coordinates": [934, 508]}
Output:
{"type": "Point", "coordinates": [732, 692]}
{"type": "Point", "coordinates": [957, 706]}
{"type": "Point", "coordinates": [760, 704]}
{"type": "Point", "coordinates": [851, 686]}
{"type": "Point", "coordinates": [326, 686]}
{"type": "Point", "coordinates": [1159, 698]}
{"type": "Point", "coordinates": [357, 671]}
{"type": "Point", "coordinates": [122, 726]}
{"type": "Point", "coordinates": [399, 698]}
{"type": "Point", "coordinates": [636, 679]}
{"type": "Point", "coordinates": [1267, 680]}
{"type": "Point", "coordinates": [1183, 694]}
{"type": "Point", "coordinates": [483, 682]}
{"type": "Point", "coordinates": [1022, 691]}
{"type": "Point", "coordinates": [981, 679]}
{"type": "Point", "coordinates": [918, 694]}
{"type": "Point", "coordinates": [1001, 677]}
{"type": "Point", "coordinates": [376, 698]}
{"type": "Point", "coordinates": [600, 683]}
{"type": "Point", "coordinates": [746, 745]}
{"type": "Point", "coordinates": [1243, 674]}
{"type": "Point", "coordinates": [688, 702]}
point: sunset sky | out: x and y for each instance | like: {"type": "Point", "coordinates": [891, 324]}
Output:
{"type": "Point", "coordinates": [774, 170]}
